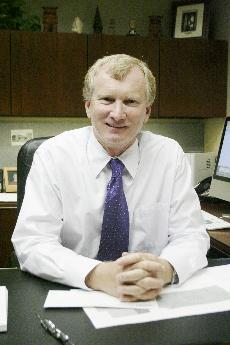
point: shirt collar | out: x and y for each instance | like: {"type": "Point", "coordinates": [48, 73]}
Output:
{"type": "Point", "coordinates": [98, 157]}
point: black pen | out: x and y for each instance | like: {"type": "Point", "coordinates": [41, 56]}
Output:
{"type": "Point", "coordinates": [50, 327]}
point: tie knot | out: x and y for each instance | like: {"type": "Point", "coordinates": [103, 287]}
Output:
{"type": "Point", "coordinates": [117, 166]}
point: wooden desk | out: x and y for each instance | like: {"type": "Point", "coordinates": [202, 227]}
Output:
{"type": "Point", "coordinates": [26, 298]}
{"type": "Point", "coordinates": [220, 239]}
{"type": "Point", "coordinates": [8, 218]}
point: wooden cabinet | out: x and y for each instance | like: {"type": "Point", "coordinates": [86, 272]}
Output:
{"type": "Point", "coordinates": [8, 218]}
{"type": "Point", "coordinates": [142, 48]}
{"type": "Point", "coordinates": [47, 73]}
{"type": "Point", "coordinates": [5, 73]}
{"type": "Point", "coordinates": [219, 239]}
{"type": "Point", "coordinates": [41, 73]}
{"type": "Point", "coordinates": [193, 78]}
{"type": "Point", "coordinates": [218, 67]}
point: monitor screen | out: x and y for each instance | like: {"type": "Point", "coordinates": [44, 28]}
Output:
{"type": "Point", "coordinates": [220, 185]}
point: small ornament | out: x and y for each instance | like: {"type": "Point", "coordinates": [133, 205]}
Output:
{"type": "Point", "coordinates": [77, 25]}
{"type": "Point", "coordinates": [97, 26]}
{"type": "Point", "coordinates": [132, 27]}
{"type": "Point", "coordinates": [50, 19]}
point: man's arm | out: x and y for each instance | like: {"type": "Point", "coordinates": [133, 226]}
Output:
{"type": "Point", "coordinates": [37, 237]}
{"type": "Point", "coordinates": [188, 240]}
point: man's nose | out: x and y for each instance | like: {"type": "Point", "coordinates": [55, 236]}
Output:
{"type": "Point", "coordinates": [118, 111]}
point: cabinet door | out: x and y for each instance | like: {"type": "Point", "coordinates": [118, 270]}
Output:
{"type": "Point", "coordinates": [142, 48]}
{"type": "Point", "coordinates": [190, 70]}
{"type": "Point", "coordinates": [218, 63]}
{"type": "Point", "coordinates": [47, 73]}
{"type": "Point", "coordinates": [5, 73]}
{"type": "Point", "coordinates": [8, 218]}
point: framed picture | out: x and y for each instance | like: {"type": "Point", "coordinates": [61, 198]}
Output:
{"type": "Point", "coordinates": [190, 19]}
{"type": "Point", "coordinates": [10, 180]}
{"type": "Point", "coordinates": [1, 180]}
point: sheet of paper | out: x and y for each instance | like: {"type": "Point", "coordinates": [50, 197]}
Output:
{"type": "Point", "coordinates": [3, 308]}
{"type": "Point", "coordinates": [81, 298]}
{"type": "Point", "coordinates": [208, 291]}
{"type": "Point", "coordinates": [8, 197]}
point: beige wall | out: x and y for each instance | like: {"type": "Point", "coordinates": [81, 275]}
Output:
{"type": "Point", "coordinates": [220, 16]}
{"type": "Point", "coordinates": [121, 11]}
{"type": "Point", "coordinates": [212, 134]}
{"type": "Point", "coordinates": [188, 132]}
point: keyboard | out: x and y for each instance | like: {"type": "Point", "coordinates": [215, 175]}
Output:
{"type": "Point", "coordinates": [214, 223]}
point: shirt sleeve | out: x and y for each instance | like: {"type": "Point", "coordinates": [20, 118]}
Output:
{"type": "Point", "coordinates": [188, 238]}
{"type": "Point", "coordinates": [37, 235]}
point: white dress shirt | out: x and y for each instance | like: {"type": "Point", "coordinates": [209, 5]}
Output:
{"type": "Point", "coordinates": [57, 234]}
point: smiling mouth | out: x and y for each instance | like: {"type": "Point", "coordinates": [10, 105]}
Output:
{"type": "Point", "coordinates": [113, 126]}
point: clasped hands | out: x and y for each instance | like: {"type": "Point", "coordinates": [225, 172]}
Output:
{"type": "Point", "coordinates": [132, 277]}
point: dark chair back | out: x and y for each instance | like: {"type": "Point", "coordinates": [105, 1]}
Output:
{"type": "Point", "coordinates": [24, 161]}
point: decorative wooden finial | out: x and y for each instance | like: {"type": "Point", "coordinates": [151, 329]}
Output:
{"type": "Point", "coordinates": [50, 19]}
{"type": "Point", "coordinates": [97, 26]}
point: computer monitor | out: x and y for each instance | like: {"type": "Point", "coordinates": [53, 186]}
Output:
{"type": "Point", "coordinates": [220, 185]}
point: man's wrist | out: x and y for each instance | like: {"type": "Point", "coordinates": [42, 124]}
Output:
{"type": "Point", "coordinates": [103, 277]}
{"type": "Point", "coordinates": [175, 278]}
{"type": "Point", "coordinates": [91, 278]}
{"type": "Point", "coordinates": [167, 271]}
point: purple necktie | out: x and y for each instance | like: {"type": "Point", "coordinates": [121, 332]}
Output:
{"type": "Point", "coordinates": [115, 225]}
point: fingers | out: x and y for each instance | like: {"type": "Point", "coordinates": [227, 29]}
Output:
{"type": "Point", "coordinates": [132, 258]}
{"type": "Point", "coordinates": [135, 292]}
{"type": "Point", "coordinates": [141, 286]}
{"type": "Point", "coordinates": [130, 290]}
{"type": "Point", "coordinates": [148, 295]}
{"type": "Point", "coordinates": [138, 285]}
{"type": "Point", "coordinates": [142, 261]}
{"type": "Point", "coordinates": [149, 283]}
{"type": "Point", "coordinates": [131, 276]}
{"type": "Point", "coordinates": [153, 268]}
{"type": "Point", "coordinates": [139, 271]}
{"type": "Point", "coordinates": [141, 277]}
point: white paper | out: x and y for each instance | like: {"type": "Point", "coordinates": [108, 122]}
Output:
{"type": "Point", "coordinates": [3, 308]}
{"type": "Point", "coordinates": [208, 291]}
{"type": "Point", "coordinates": [8, 197]}
{"type": "Point", "coordinates": [21, 136]}
{"type": "Point", "coordinates": [77, 298]}
{"type": "Point", "coordinates": [214, 223]}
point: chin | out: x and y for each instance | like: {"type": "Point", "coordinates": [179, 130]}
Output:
{"type": "Point", "coordinates": [117, 146]}
{"type": "Point", "coordinates": [114, 142]}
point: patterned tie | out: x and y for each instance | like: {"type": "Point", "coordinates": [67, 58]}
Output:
{"type": "Point", "coordinates": [115, 225]}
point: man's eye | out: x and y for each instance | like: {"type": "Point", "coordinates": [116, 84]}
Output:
{"type": "Point", "coordinates": [106, 100]}
{"type": "Point", "coordinates": [130, 102]}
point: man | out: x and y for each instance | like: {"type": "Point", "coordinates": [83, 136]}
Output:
{"type": "Point", "coordinates": [64, 229]}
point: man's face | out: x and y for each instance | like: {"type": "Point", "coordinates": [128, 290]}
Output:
{"type": "Point", "coordinates": [118, 109]}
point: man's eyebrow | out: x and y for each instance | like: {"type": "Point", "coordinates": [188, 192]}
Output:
{"type": "Point", "coordinates": [103, 95]}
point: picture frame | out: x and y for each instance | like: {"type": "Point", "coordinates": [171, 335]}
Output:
{"type": "Point", "coordinates": [1, 180]}
{"type": "Point", "coordinates": [10, 179]}
{"type": "Point", "coordinates": [190, 19]}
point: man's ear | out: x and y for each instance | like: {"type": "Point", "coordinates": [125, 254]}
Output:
{"type": "Point", "coordinates": [87, 106]}
{"type": "Point", "coordinates": [148, 113]}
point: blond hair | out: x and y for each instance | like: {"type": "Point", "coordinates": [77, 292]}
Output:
{"type": "Point", "coordinates": [119, 65]}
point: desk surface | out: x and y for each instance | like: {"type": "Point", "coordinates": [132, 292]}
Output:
{"type": "Point", "coordinates": [220, 239]}
{"type": "Point", "coordinates": [26, 298]}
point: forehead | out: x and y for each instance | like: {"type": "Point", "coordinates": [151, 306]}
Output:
{"type": "Point", "coordinates": [107, 72]}
{"type": "Point", "coordinates": [133, 81]}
